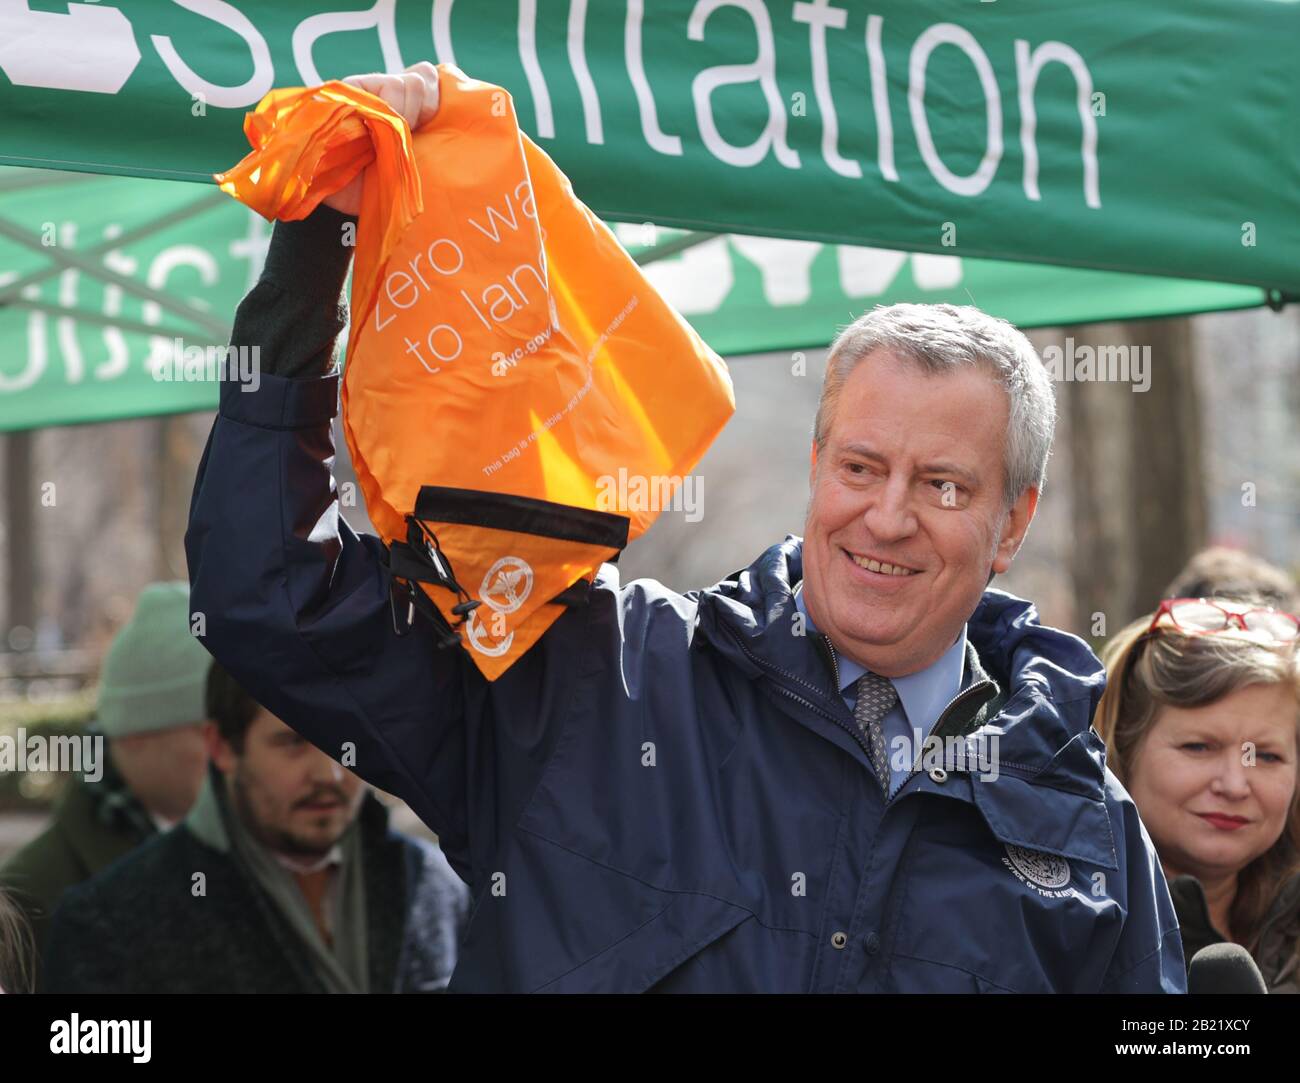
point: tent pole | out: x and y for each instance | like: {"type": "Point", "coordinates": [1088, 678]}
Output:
{"type": "Point", "coordinates": [671, 248]}
{"type": "Point", "coordinates": [191, 209]}
{"type": "Point", "coordinates": [130, 285]}
{"type": "Point", "coordinates": [100, 320]}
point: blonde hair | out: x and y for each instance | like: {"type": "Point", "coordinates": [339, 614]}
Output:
{"type": "Point", "coordinates": [17, 949]}
{"type": "Point", "coordinates": [1147, 672]}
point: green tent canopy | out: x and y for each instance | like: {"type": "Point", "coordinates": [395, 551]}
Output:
{"type": "Point", "coordinates": [116, 293]}
{"type": "Point", "coordinates": [1050, 163]}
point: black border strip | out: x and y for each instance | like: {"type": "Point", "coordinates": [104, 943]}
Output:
{"type": "Point", "coordinates": [522, 514]}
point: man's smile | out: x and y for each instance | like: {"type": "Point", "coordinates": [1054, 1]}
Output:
{"type": "Point", "coordinates": [881, 567]}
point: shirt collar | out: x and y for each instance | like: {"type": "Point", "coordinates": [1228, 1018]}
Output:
{"type": "Point", "coordinates": [923, 694]}
{"type": "Point", "coordinates": [161, 822]}
{"type": "Point", "coordinates": [302, 867]}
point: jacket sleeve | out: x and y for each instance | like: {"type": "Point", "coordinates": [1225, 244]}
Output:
{"type": "Point", "coordinates": [1149, 956]}
{"type": "Point", "coordinates": [282, 591]}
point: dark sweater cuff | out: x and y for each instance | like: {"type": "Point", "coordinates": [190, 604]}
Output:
{"type": "Point", "coordinates": [295, 312]}
{"type": "Point", "coordinates": [311, 252]}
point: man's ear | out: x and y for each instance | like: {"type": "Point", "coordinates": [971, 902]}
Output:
{"type": "Point", "coordinates": [812, 467]}
{"type": "Point", "coordinates": [1014, 528]}
{"type": "Point", "coordinates": [219, 750]}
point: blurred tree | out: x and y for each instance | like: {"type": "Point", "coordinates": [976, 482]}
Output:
{"type": "Point", "coordinates": [1138, 484]}
{"type": "Point", "coordinates": [177, 449]}
{"type": "Point", "coordinates": [19, 535]}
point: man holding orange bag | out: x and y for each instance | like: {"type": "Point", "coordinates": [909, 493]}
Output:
{"type": "Point", "coordinates": [848, 767]}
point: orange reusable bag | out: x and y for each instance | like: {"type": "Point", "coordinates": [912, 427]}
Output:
{"type": "Point", "coordinates": [507, 360]}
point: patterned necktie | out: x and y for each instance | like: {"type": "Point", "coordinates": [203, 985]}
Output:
{"type": "Point", "coordinates": [876, 698]}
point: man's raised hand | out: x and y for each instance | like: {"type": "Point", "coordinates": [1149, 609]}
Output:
{"type": "Point", "coordinates": [413, 94]}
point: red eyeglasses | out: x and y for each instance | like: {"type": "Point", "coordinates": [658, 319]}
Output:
{"type": "Point", "coordinates": [1202, 616]}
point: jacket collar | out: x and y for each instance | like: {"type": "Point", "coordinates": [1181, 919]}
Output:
{"type": "Point", "coordinates": [1035, 688]}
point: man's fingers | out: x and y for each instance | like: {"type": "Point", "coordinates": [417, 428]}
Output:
{"type": "Point", "coordinates": [412, 98]}
{"type": "Point", "coordinates": [423, 105]}
{"type": "Point", "coordinates": [371, 82]}
{"type": "Point", "coordinates": [386, 87]}
{"type": "Point", "coordinates": [428, 75]}
{"type": "Point", "coordinates": [429, 107]}
{"type": "Point", "coordinates": [413, 94]}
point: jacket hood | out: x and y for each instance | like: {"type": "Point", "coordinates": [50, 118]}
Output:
{"type": "Point", "coordinates": [1048, 681]}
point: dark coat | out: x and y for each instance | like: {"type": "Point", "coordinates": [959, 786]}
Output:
{"type": "Point", "coordinates": [136, 928]}
{"type": "Point", "coordinates": [94, 824]}
{"type": "Point", "coordinates": [1275, 946]}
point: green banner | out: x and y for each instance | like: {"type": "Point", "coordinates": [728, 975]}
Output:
{"type": "Point", "coordinates": [1148, 136]}
{"type": "Point", "coordinates": [753, 294]}
{"type": "Point", "coordinates": [101, 280]}
{"type": "Point", "coordinates": [116, 294]}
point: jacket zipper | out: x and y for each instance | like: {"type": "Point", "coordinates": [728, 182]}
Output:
{"type": "Point", "coordinates": [980, 686]}
{"type": "Point", "coordinates": [853, 731]}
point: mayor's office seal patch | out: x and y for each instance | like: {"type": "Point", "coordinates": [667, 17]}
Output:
{"type": "Point", "coordinates": [1040, 869]}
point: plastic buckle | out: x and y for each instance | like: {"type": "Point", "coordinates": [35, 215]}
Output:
{"type": "Point", "coordinates": [410, 608]}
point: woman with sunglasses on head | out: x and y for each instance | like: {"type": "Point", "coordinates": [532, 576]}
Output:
{"type": "Point", "coordinates": [1201, 718]}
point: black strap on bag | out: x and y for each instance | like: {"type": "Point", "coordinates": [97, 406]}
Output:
{"type": "Point", "coordinates": [522, 515]}
{"type": "Point", "coordinates": [420, 559]}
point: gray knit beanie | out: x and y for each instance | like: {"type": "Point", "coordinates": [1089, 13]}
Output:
{"type": "Point", "coordinates": [154, 674]}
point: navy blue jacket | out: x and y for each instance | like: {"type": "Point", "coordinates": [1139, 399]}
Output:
{"type": "Point", "coordinates": [666, 791]}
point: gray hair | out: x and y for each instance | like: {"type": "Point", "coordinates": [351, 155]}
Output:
{"type": "Point", "coordinates": [939, 339]}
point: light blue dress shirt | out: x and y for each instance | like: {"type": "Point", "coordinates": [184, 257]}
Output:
{"type": "Point", "coordinates": [922, 696]}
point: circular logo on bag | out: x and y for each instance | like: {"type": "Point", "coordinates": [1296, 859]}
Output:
{"type": "Point", "coordinates": [478, 638]}
{"type": "Point", "coordinates": [1045, 870]}
{"type": "Point", "coordinates": [507, 584]}
{"type": "Point", "coordinates": [504, 589]}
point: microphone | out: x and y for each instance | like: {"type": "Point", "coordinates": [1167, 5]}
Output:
{"type": "Point", "coordinates": [1224, 968]}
